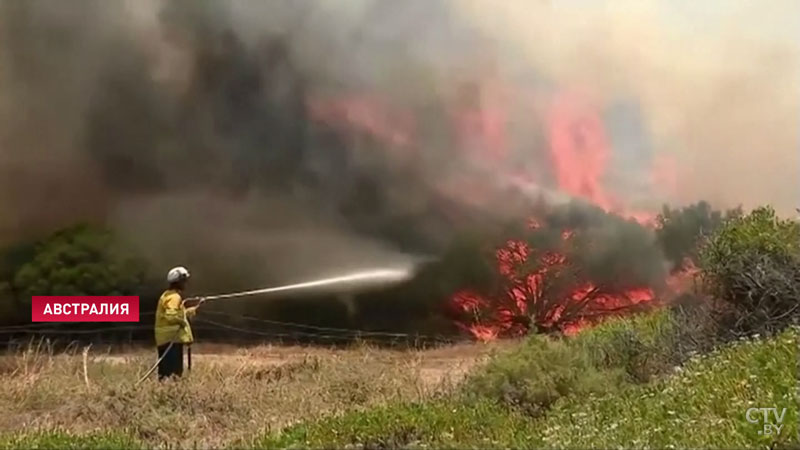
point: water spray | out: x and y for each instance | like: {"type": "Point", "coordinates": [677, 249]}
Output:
{"type": "Point", "coordinates": [380, 276]}
{"type": "Point", "coordinates": [376, 276]}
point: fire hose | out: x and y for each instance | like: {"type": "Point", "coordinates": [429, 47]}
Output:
{"type": "Point", "coordinates": [384, 275]}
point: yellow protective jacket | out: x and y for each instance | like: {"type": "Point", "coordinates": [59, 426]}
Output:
{"type": "Point", "coordinates": [172, 324]}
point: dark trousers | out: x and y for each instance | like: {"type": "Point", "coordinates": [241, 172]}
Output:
{"type": "Point", "coordinates": [172, 362]}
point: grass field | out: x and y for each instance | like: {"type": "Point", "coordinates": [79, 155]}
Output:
{"type": "Point", "coordinates": [231, 393]}
{"type": "Point", "coordinates": [610, 387]}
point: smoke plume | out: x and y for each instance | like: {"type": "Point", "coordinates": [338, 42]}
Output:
{"type": "Point", "coordinates": [268, 141]}
{"type": "Point", "coordinates": [717, 83]}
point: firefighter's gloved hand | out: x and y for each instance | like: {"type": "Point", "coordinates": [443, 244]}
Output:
{"type": "Point", "coordinates": [191, 311]}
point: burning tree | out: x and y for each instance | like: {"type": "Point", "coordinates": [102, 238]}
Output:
{"type": "Point", "coordinates": [573, 267]}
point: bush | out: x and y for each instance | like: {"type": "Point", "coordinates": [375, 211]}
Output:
{"type": "Point", "coordinates": [532, 377]}
{"type": "Point", "coordinates": [597, 361]}
{"type": "Point", "coordinates": [642, 346]}
{"type": "Point", "coordinates": [753, 262]}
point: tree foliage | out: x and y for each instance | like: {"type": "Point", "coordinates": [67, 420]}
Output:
{"type": "Point", "coordinates": [753, 262]}
{"type": "Point", "coordinates": [79, 260]}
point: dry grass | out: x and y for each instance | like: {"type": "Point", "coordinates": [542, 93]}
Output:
{"type": "Point", "coordinates": [231, 393]}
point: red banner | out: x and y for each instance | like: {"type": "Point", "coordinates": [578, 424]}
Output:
{"type": "Point", "coordinates": [85, 309]}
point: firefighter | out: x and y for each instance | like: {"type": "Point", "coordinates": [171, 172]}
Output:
{"type": "Point", "coordinates": [172, 328]}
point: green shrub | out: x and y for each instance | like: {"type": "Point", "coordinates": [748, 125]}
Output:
{"type": "Point", "coordinates": [539, 372]}
{"type": "Point", "coordinates": [753, 262]}
{"type": "Point", "coordinates": [597, 361]}
{"type": "Point", "coordinates": [642, 346]}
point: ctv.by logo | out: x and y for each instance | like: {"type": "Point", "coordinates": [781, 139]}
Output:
{"type": "Point", "coordinates": [762, 415]}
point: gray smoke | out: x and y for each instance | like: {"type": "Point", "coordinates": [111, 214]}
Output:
{"type": "Point", "coordinates": [190, 125]}
{"type": "Point", "coordinates": [185, 126]}
{"type": "Point", "coordinates": [718, 82]}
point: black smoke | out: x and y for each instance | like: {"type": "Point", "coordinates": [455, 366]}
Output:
{"type": "Point", "coordinates": [186, 126]}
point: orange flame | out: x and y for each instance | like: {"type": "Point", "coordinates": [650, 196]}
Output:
{"type": "Point", "coordinates": [510, 313]}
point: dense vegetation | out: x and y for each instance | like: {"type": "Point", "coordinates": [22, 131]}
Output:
{"type": "Point", "coordinates": [80, 260]}
{"type": "Point", "coordinates": [702, 405]}
{"type": "Point", "coordinates": [753, 263]}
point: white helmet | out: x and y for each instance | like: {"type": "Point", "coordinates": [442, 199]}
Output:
{"type": "Point", "coordinates": [177, 274]}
